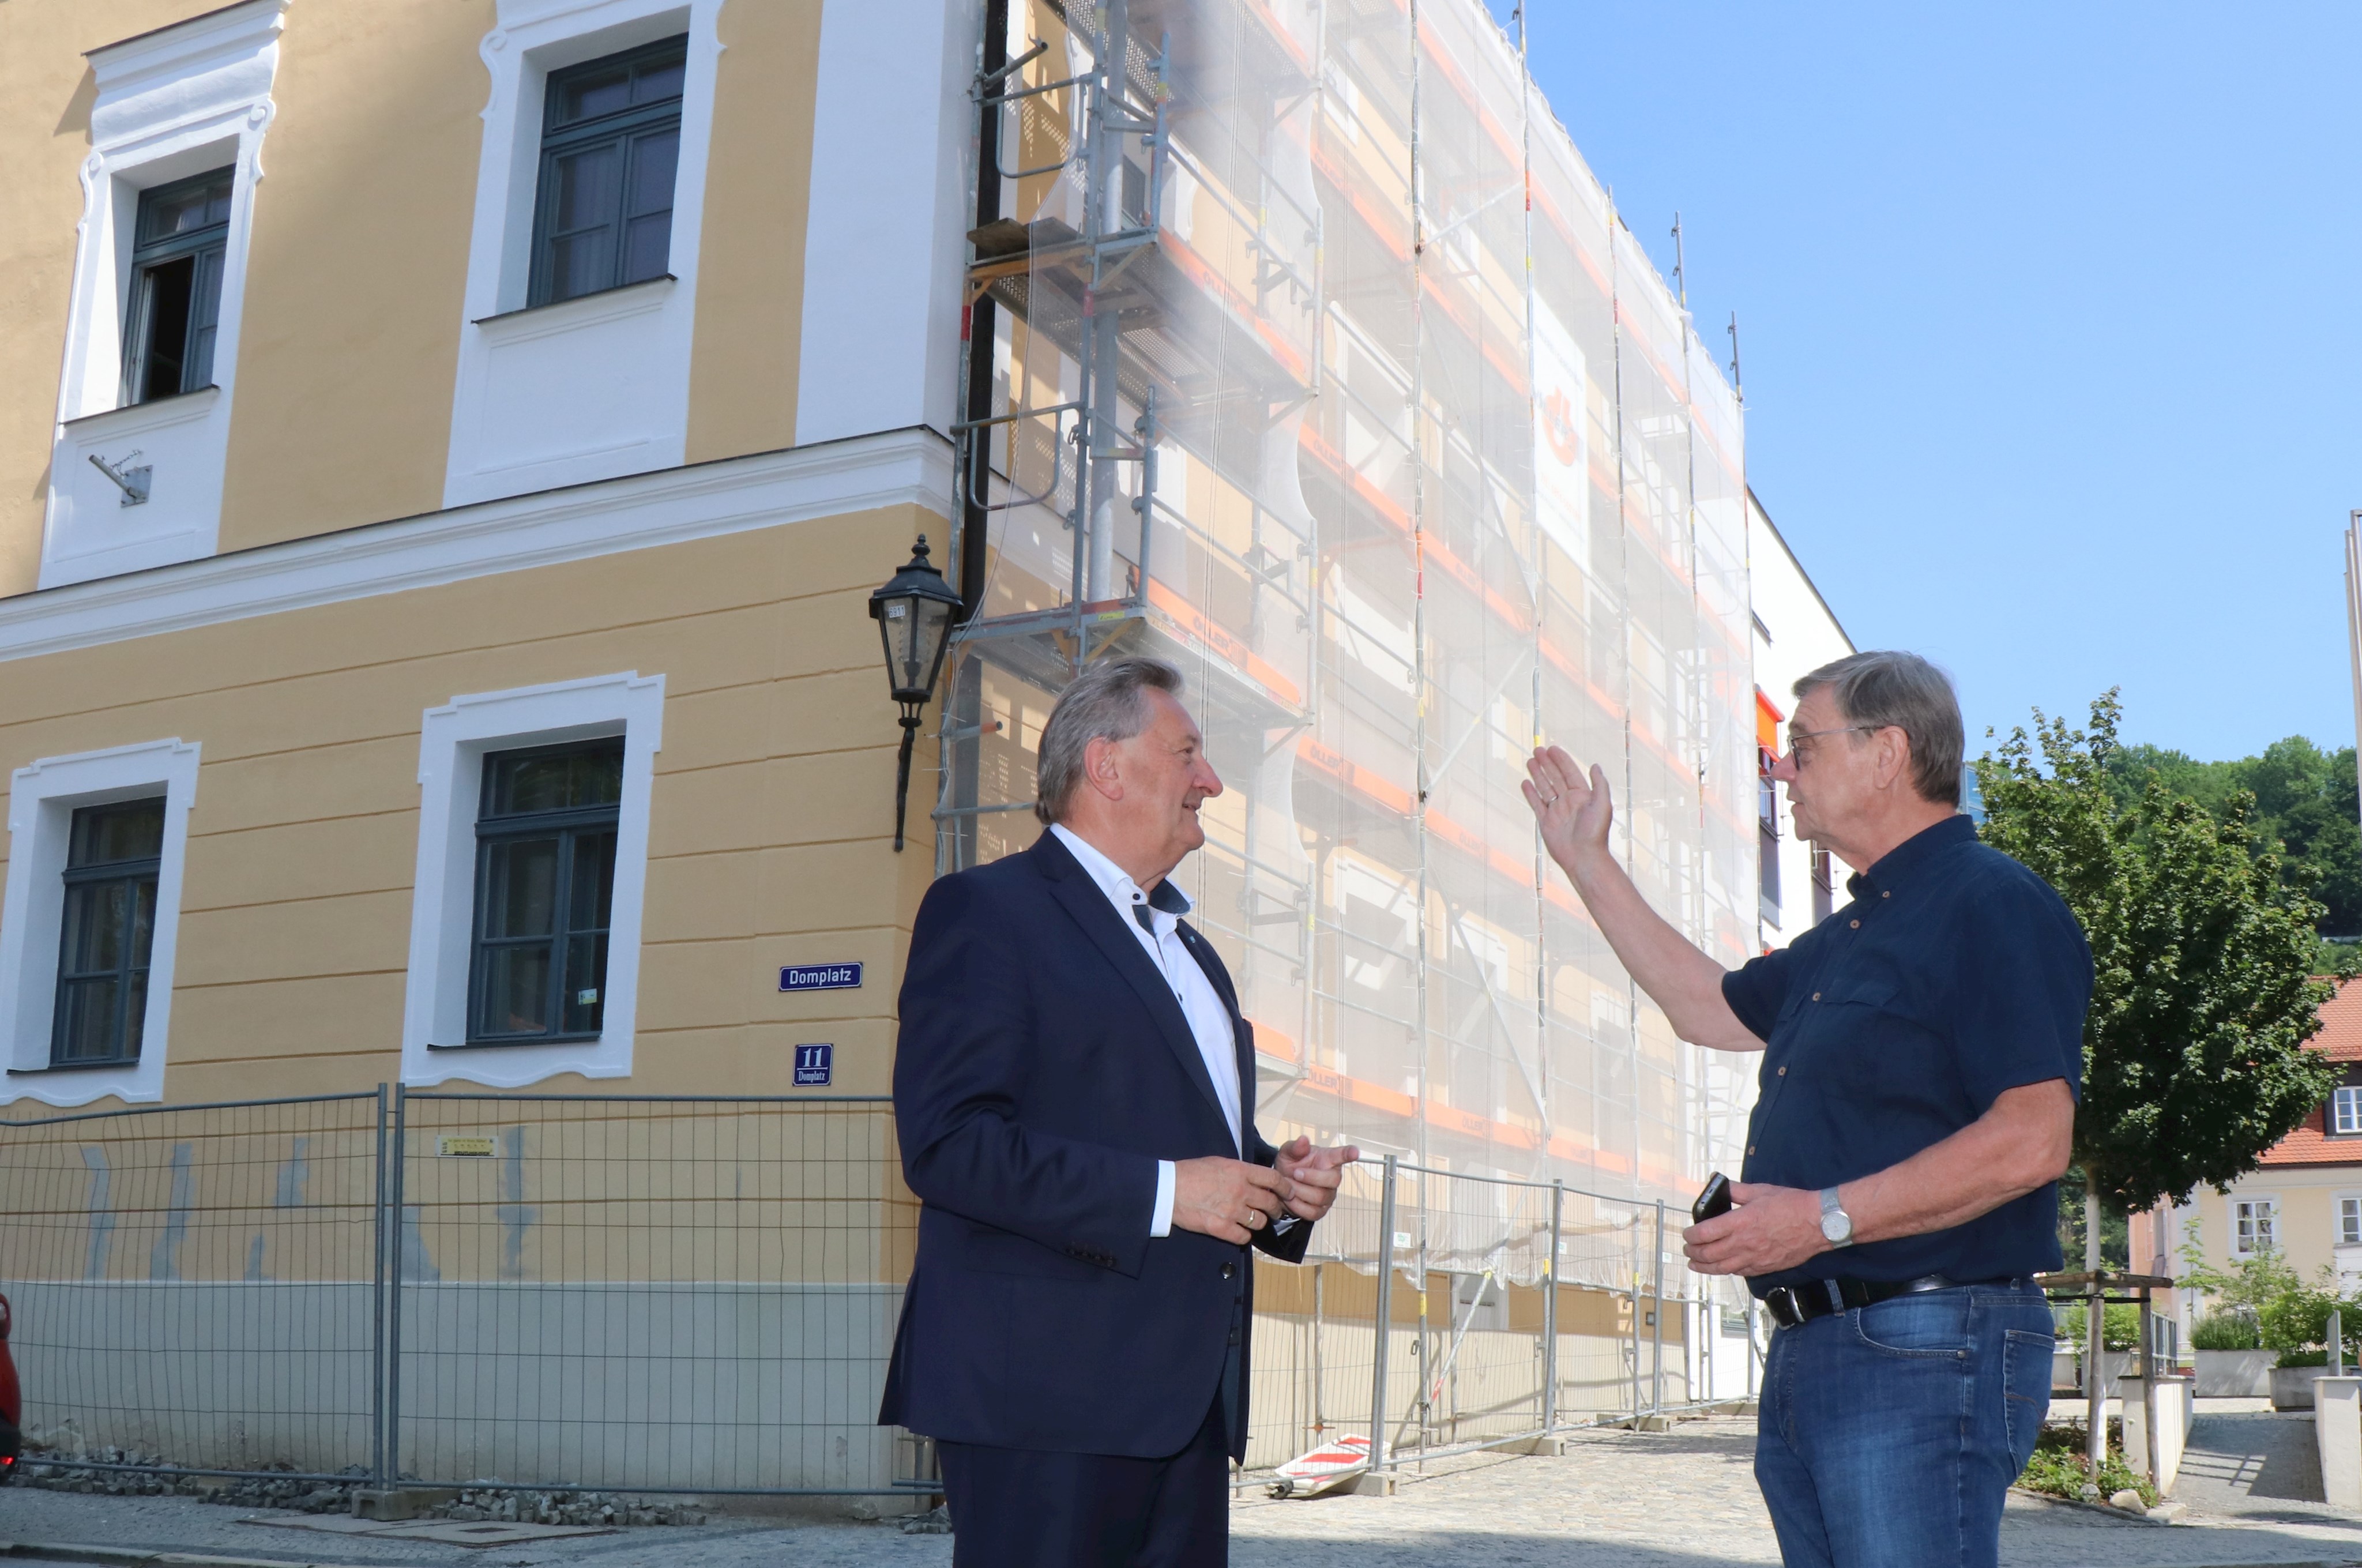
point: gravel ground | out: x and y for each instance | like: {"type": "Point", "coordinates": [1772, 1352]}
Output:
{"type": "Point", "coordinates": [1679, 1499]}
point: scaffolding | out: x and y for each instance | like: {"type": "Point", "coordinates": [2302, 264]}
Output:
{"type": "Point", "coordinates": [1303, 350]}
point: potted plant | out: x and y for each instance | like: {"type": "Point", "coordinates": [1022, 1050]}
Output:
{"type": "Point", "coordinates": [2296, 1324]}
{"type": "Point", "coordinates": [2232, 1362]}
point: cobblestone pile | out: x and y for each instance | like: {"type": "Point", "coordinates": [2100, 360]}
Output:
{"type": "Point", "coordinates": [127, 1473]}
{"type": "Point", "coordinates": [514, 1506]}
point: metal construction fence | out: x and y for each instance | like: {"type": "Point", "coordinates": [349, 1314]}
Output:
{"type": "Point", "coordinates": [1514, 1310]}
{"type": "Point", "coordinates": [700, 1296]}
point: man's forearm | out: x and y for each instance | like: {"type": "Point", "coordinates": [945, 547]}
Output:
{"type": "Point", "coordinates": [2018, 1144]}
{"type": "Point", "coordinates": [1665, 963]}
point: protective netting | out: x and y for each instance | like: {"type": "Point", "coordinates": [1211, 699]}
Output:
{"type": "Point", "coordinates": [1320, 365]}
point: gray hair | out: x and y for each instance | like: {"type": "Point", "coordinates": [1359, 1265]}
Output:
{"type": "Point", "coordinates": [1107, 701]}
{"type": "Point", "coordinates": [1887, 687]}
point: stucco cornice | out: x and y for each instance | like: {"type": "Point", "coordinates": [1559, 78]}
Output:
{"type": "Point", "coordinates": [671, 506]}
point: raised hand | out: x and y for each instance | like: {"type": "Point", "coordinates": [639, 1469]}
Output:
{"type": "Point", "coordinates": [1574, 812]}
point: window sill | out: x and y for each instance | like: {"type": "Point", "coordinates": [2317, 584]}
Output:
{"type": "Point", "coordinates": [527, 1040]}
{"type": "Point", "coordinates": [191, 404]}
{"type": "Point", "coordinates": [503, 317]}
{"type": "Point", "coordinates": [115, 1066]}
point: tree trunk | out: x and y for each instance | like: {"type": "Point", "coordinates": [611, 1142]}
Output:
{"type": "Point", "coordinates": [2095, 1314]}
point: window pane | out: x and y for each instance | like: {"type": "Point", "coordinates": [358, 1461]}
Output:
{"type": "Point", "coordinates": [594, 882]}
{"type": "Point", "coordinates": [556, 781]}
{"type": "Point", "coordinates": [204, 312]}
{"type": "Point", "coordinates": [86, 1014]}
{"type": "Point", "coordinates": [143, 919]}
{"type": "Point", "coordinates": [596, 777]}
{"type": "Point", "coordinates": [591, 94]}
{"type": "Point", "coordinates": [585, 979]}
{"type": "Point", "coordinates": [647, 248]}
{"type": "Point", "coordinates": [134, 1015]}
{"type": "Point", "coordinates": [520, 888]}
{"type": "Point", "coordinates": [647, 235]}
{"type": "Point", "coordinates": [96, 926]}
{"type": "Point", "coordinates": [516, 990]}
{"type": "Point", "coordinates": [523, 784]}
{"type": "Point", "coordinates": [582, 221]}
{"type": "Point", "coordinates": [658, 80]}
{"type": "Point", "coordinates": [102, 835]}
{"type": "Point", "coordinates": [654, 161]}
{"type": "Point", "coordinates": [190, 209]}
{"type": "Point", "coordinates": [164, 327]}
{"type": "Point", "coordinates": [588, 184]}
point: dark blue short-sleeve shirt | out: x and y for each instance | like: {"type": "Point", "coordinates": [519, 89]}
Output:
{"type": "Point", "coordinates": [1954, 974]}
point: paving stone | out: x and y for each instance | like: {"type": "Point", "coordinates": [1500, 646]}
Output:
{"type": "Point", "coordinates": [1685, 1499]}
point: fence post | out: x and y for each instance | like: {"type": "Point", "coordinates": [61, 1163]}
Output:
{"type": "Point", "coordinates": [1319, 1422]}
{"type": "Point", "coordinates": [377, 1299]}
{"type": "Point", "coordinates": [1751, 1326]}
{"type": "Point", "coordinates": [396, 1218]}
{"type": "Point", "coordinates": [1634, 1229]}
{"type": "Point", "coordinates": [1549, 1313]}
{"type": "Point", "coordinates": [1657, 1317]}
{"type": "Point", "coordinates": [1385, 1320]}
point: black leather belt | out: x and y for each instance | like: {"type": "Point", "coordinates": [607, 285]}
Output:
{"type": "Point", "coordinates": [1794, 1304]}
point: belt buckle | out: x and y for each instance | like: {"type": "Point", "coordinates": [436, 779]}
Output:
{"type": "Point", "coordinates": [1787, 1310]}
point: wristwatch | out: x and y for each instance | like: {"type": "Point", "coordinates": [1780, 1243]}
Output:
{"type": "Point", "coordinates": [1837, 1225]}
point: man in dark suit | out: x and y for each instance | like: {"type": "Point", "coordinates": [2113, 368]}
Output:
{"type": "Point", "coordinates": [1075, 1094]}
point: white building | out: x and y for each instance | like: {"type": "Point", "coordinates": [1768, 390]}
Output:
{"type": "Point", "coordinates": [1795, 632]}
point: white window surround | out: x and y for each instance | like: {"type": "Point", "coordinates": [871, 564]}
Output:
{"type": "Point", "coordinates": [171, 104]}
{"type": "Point", "coordinates": [2345, 1206]}
{"type": "Point", "coordinates": [443, 913]}
{"type": "Point", "coordinates": [41, 804]}
{"type": "Point", "coordinates": [589, 388]}
{"type": "Point", "coordinates": [2346, 1109]}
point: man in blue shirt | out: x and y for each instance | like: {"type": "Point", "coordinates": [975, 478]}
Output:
{"type": "Point", "coordinates": [1923, 1053]}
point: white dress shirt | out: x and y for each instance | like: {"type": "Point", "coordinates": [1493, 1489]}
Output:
{"type": "Point", "coordinates": [1210, 1021]}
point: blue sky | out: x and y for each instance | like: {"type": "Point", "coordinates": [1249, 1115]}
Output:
{"type": "Point", "coordinates": [2052, 321]}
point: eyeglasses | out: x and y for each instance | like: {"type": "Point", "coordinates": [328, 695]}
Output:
{"type": "Point", "coordinates": [1802, 753]}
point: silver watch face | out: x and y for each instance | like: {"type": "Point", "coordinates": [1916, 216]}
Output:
{"type": "Point", "coordinates": [1837, 1225]}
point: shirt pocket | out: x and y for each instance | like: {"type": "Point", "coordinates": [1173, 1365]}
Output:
{"type": "Point", "coordinates": [1868, 1047]}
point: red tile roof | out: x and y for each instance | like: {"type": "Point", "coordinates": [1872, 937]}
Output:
{"type": "Point", "coordinates": [2341, 1041]}
{"type": "Point", "coordinates": [2341, 1024]}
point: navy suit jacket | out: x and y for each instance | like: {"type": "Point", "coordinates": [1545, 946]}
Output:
{"type": "Point", "coordinates": [1045, 1069]}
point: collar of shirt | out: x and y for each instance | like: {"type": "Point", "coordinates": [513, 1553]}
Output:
{"type": "Point", "coordinates": [1895, 869]}
{"type": "Point", "coordinates": [1166, 907]}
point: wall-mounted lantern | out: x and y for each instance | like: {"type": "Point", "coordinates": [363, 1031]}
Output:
{"type": "Point", "coordinates": [914, 613]}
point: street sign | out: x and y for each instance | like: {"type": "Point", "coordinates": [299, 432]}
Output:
{"type": "Point", "coordinates": [820, 977]}
{"type": "Point", "coordinates": [815, 1064]}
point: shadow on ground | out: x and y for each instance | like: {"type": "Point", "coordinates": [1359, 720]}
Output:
{"type": "Point", "coordinates": [2233, 1461]}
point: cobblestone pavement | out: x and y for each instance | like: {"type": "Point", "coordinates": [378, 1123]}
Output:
{"type": "Point", "coordinates": [1686, 1498]}
{"type": "Point", "coordinates": [1679, 1499]}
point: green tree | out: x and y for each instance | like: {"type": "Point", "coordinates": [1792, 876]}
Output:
{"type": "Point", "coordinates": [2304, 806]}
{"type": "Point", "coordinates": [2194, 1063]}
{"type": "Point", "coordinates": [2247, 1287]}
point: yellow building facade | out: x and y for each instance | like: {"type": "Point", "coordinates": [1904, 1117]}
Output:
{"type": "Point", "coordinates": [378, 508]}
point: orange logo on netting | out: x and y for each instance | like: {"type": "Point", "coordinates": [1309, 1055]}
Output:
{"type": "Point", "coordinates": [1558, 424]}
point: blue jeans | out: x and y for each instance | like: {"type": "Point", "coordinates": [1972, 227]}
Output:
{"type": "Point", "coordinates": [1890, 1434]}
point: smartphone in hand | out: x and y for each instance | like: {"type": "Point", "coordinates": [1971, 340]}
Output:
{"type": "Point", "coordinates": [1715, 1199]}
